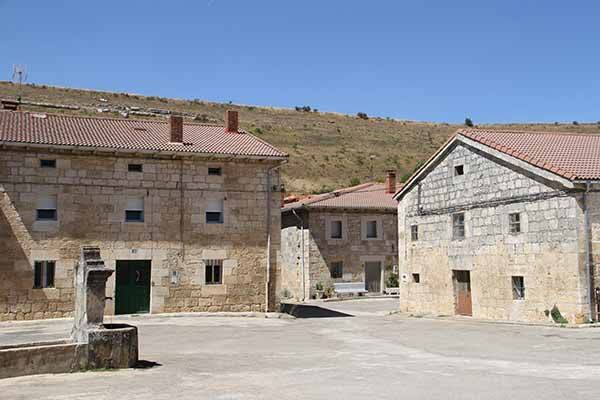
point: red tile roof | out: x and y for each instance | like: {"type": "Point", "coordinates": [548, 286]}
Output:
{"type": "Point", "coordinates": [572, 156]}
{"type": "Point", "coordinates": [364, 196]}
{"type": "Point", "coordinates": [128, 134]}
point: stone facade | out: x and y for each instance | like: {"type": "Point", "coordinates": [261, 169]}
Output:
{"type": "Point", "coordinates": [92, 192]}
{"type": "Point", "coordinates": [548, 251]}
{"type": "Point", "coordinates": [353, 250]}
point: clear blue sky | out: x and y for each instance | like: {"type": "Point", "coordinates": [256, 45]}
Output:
{"type": "Point", "coordinates": [495, 61]}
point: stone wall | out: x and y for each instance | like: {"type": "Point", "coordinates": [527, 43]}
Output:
{"type": "Point", "coordinates": [547, 253]}
{"type": "Point", "coordinates": [353, 249]}
{"type": "Point", "coordinates": [292, 262]}
{"type": "Point", "coordinates": [92, 192]}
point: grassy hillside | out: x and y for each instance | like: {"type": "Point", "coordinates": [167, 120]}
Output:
{"type": "Point", "coordinates": [327, 150]}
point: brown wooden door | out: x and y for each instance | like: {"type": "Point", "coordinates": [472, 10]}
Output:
{"type": "Point", "coordinates": [462, 292]}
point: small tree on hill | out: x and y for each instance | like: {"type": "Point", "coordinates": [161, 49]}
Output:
{"type": "Point", "coordinates": [468, 122]}
{"type": "Point", "coordinates": [362, 115]}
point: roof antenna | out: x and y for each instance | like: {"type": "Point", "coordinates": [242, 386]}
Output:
{"type": "Point", "coordinates": [19, 76]}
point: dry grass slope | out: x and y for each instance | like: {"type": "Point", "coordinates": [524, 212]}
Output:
{"type": "Point", "coordinates": [327, 150]}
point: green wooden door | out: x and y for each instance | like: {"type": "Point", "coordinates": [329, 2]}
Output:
{"type": "Point", "coordinates": [132, 295]}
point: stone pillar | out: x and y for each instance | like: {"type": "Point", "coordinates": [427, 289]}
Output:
{"type": "Point", "coordinates": [90, 293]}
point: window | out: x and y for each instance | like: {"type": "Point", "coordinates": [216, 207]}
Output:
{"type": "Point", "coordinates": [46, 163]}
{"type": "Point", "coordinates": [336, 269]}
{"type": "Point", "coordinates": [213, 272]}
{"type": "Point", "coordinates": [43, 276]}
{"type": "Point", "coordinates": [458, 226]}
{"type": "Point", "coordinates": [371, 229]}
{"type": "Point", "coordinates": [134, 211]}
{"type": "Point", "coordinates": [416, 278]}
{"type": "Point", "coordinates": [135, 167]}
{"type": "Point", "coordinates": [214, 212]}
{"type": "Point", "coordinates": [46, 209]}
{"type": "Point", "coordinates": [514, 223]}
{"type": "Point", "coordinates": [414, 233]}
{"type": "Point", "coordinates": [336, 229]}
{"type": "Point", "coordinates": [459, 170]}
{"type": "Point", "coordinates": [214, 171]}
{"type": "Point", "coordinates": [518, 288]}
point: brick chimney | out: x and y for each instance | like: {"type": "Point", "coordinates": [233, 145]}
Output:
{"type": "Point", "coordinates": [231, 121]}
{"type": "Point", "coordinates": [176, 128]}
{"type": "Point", "coordinates": [390, 181]}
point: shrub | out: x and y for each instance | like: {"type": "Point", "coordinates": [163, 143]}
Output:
{"type": "Point", "coordinates": [392, 280]}
{"type": "Point", "coordinates": [575, 123]}
{"type": "Point", "coordinates": [557, 316]}
{"type": "Point", "coordinates": [201, 118]}
{"type": "Point", "coordinates": [319, 286]}
{"type": "Point", "coordinates": [362, 115]}
{"type": "Point", "coordinates": [469, 122]}
{"type": "Point", "coordinates": [354, 181]}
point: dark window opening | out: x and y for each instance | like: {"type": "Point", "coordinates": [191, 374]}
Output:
{"type": "Point", "coordinates": [414, 233]}
{"type": "Point", "coordinates": [458, 226]}
{"type": "Point", "coordinates": [459, 170]}
{"type": "Point", "coordinates": [134, 216]}
{"type": "Point", "coordinates": [214, 217]}
{"type": "Point", "coordinates": [518, 288]}
{"type": "Point", "coordinates": [213, 272]}
{"type": "Point", "coordinates": [416, 278]}
{"type": "Point", "coordinates": [43, 274]}
{"type": "Point", "coordinates": [514, 223]}
{"type": "Point", "coordinates": [336, 269]}
{"type": "Point", "coordinates": [371, 229]}
{"type": "Point", "coordinates": [214, 171]}
{"type": "Point", "coordinates": [48, 163]}
{"type": "Point", "coordinates": [46, 215]}
{"type": "Point", "coordinates": [336, 229]}
{"type": "Point", "coordinates": [135, 168]}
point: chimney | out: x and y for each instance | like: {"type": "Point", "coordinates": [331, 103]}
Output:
{"type": "Point", "coordinates": [390, 182]}
{"type": "Point", "coordinates": [176, 128]}
{"type": "Point", "coordinates": [231, 121]}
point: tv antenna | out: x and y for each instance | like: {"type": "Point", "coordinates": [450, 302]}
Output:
{"type": "Point", "coordinates": [19, 76]}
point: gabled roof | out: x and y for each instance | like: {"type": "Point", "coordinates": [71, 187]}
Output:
{"type": "Point", "coordinates": [368, 196]}
{"type": "Point", "coordinates": [570, 156]}
{"type": "Point", "coordinates": [128, 134]}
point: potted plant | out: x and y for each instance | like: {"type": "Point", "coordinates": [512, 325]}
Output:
{"type": "Point", "coordinates": [319, 290]}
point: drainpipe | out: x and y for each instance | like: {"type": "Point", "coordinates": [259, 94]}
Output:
{"type": "Point", "coordinates": [269, 197]}
{"type": "Point", "coordinates": [588, 264]}
{"type": "Point", "coordinates": [302, 250]}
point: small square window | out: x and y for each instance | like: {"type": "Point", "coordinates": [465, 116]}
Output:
{"type": "Point", "coordinates": [416, 278]}
{"type": "Point", "coordinates": [216, 171]}
{"type": "Point", "coordinates": [459, 170]}
{"type": "Point", "coordinates": [47, 163]}
{"type": "Point", "coordinates": [336, 229]}
{"type": "Point", "coordinates": [514, 223]}
{"type": "Point", "coordinates": [213, 272]}
{"type": "Point", "coordinates": [135, 168]}
{"type": "Point", "coordinates": [371, 229]}
{"type": "Point", "coordinates": [414, 233]}
{"type": "Point", "coordinates": [458, 226]}
{"type": "Point", "coordinates": [336, 269]}
{"type": "Point", "coordinates": [518, 288]}
{"type": "Point", "coordinates": [43, 275]}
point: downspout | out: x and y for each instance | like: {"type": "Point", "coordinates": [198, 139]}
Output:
{"type": "Point", "coordinates": [302, 251]}
{"type": "Point", "coordinates": [588, 264]}
{"type": "Point", "coordinates": [269, 197]}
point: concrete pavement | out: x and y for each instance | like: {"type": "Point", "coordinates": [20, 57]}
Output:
{"type": "Point", "coordinates": [368, 355]}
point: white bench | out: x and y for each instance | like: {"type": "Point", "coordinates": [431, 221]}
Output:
{"type": "Point", "coordinates": [349, 288]}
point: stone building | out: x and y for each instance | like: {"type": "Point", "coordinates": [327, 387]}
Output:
{"type": "Point", "coordinates": [183, 212]}
{"type": "Point", "coordinates": [503, 225]}
{"type": "Point", "coordinates": [349, 235]}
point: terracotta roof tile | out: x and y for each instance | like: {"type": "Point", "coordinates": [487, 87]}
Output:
{"type": "Point", "coordinates": [364, 196]}
{"type": "Point", "coordinates": [128, 134]}
{"type": "Point", "coordinates": [572, 156]}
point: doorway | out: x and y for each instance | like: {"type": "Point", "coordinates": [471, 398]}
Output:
{"type": "Point", "coordinates": [132, 294]}
{"type": "Point", "coordinates": [373, 276]}
{"type": "Point", "coordinates": [462, 292]}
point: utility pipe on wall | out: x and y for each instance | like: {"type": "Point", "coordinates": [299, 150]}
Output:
{"type": "Point", "coordinates": [302, 251]}
{"type": "Point", "coordinates": [587, 237]}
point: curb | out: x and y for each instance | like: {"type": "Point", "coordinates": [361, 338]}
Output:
{"type": "Point", "coordinates": [495, 322]}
